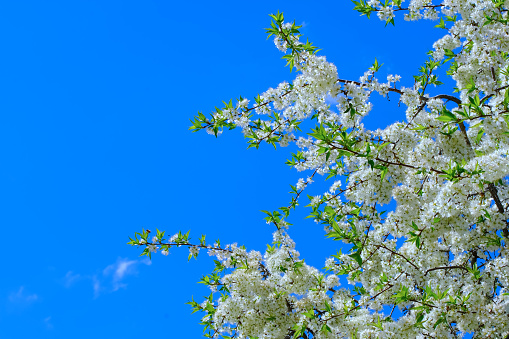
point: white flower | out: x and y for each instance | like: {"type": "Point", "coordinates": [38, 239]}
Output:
{"type": "Point", "coordinates": [442, 177]}
{"type": "Point", "coordinates": [194, 250]}
{"type": "Point", "coordinates": [301, 184]}
{"type": "Point", "coordinates": [316, 200]}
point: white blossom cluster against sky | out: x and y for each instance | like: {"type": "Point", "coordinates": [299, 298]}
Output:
{"type": "Point", "coordinates": [94, 116]}
{"type": "Point", "coordinates": [440, 256]}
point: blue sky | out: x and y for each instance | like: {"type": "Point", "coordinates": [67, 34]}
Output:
{"type": "Point", "coordinates": [95, 103]}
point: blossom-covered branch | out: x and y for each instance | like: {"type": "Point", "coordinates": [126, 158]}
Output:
{"type": "Point", "coordinates": [439, 256]}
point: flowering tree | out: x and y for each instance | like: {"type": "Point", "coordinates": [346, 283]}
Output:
{"type": "Point", "coordinates": [434, 267]}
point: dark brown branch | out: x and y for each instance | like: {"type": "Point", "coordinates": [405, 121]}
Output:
{"type": "Point", "coordinates": [493, 191]}
{"type": "Point", "coordinates": [401, 255]}
{"type": "Point", "coordinates": [464, 132]}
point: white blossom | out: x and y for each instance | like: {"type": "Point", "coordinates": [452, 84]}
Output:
{"type": "Point", "coordinates": [440, 255]}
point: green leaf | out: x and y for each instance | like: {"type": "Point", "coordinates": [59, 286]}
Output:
{"type": "Point", "coordinates": [441, 24]}
{"type": "Point", "coordinates": [329, 210]}
{"type": "Point", "coordinates": [326, 328]}
{"type": "Point", "coordinates": [362, 7]}
{"type": "Point", "coordinates": [479, 135]}
{"type": "Point", "coordinates": [471, 86]}
{"type": "Point", "coordinates": [378, 324]}
{"type": "Point", "coordinates": [440, 320]}
{"type": "Point", "coordinates": [376, 66]}
{"type": "Point", "coordinates": [357, 257]}
{"type": "Point", "coordinates": [449, 54]}
{"type": "Point", "coordinates": [446, 116]}
{"type": "Point", "coordinates": [310, 314]}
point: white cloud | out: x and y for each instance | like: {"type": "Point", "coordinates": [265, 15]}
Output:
{"type": "Point", "coordinates": [47, 322]}
{"type": "Point", "coordinates": [113, 275]}
{"type": "Point", "coordinates": [70, 278]}
{"type": "Point", "coordinates": [120, 268]}
{"type": "Point", "coordinates": [96, 286]}
{"type": "Point", "coordinates": [21, 297]}
{"type": "Point", "coordinates": [110, 279]}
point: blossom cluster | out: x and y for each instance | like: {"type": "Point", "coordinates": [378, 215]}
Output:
{"type": "Point", "coordinates": [440, 257]}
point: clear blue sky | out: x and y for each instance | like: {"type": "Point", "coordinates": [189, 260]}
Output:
{"type": "Point", "coordinates": [95, 102]}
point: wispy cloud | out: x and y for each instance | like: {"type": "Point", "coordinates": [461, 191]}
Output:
{"type": "Point", "coordinates": [22, 297]}
{"type": "Point", "coordinates": [96, 285]}
{"type": "Point", "coordinates": [47, 322]}
{"type": "Point", "coordinates": [70, 278]}
{"type": "Point", "coordinates": [119, 270]}
{"type": "Point", "coordinates": [110, 279]}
